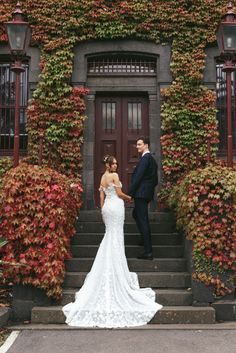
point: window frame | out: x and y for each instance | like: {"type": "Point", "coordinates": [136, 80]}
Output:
{"type": "Point", "coordinates": [221, 106]}
{"type": "Point", "coordinates": [7, 107]}
{"type": "Point", "coordinates": [117, 64]}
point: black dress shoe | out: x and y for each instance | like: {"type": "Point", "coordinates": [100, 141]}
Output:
{"type": "Point", "coordinates": [145, 256]}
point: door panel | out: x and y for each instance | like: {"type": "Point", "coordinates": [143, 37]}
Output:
{"type": "Point", "coordinates": [135, 123]}
{"type": "Point", "coordinates": [119, 121]}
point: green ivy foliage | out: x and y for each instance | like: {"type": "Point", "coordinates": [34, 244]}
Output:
{"type": "Point", "coordinates": [188, 109]}
{"type": "Point", "coordinates": [5, 165]}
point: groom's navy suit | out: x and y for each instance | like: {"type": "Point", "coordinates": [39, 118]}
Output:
{"type": "Point", "coordinates": [143, 182]}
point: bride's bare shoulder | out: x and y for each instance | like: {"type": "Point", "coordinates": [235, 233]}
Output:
{"type": "Point", "coordinates": [115, 176]}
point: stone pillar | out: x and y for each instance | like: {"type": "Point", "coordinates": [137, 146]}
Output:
{"type": "Point", "coordinates": [154, 135]}
{"type": "Point", "coordinates": [88, 154]}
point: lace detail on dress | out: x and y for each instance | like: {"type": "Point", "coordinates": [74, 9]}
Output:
{"type": "Point", "coordinates": [109, 188]}
{"type": "Point", "coordinates": [110, 295]}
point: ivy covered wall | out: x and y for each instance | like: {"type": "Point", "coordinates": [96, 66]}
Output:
{"type": "Point", "coordinates": [188, 113]}
{"type": "Point", "coordinates": [188, 109]}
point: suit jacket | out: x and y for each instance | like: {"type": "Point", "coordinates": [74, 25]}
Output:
{"type": "Point", "coordinates": [144, 178]}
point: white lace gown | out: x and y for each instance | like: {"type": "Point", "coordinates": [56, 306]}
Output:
{"type": "Point", "coordinates": [110, 296]}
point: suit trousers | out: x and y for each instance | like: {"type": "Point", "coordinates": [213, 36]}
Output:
{"type": "Point", "coordinates": [140, 214]}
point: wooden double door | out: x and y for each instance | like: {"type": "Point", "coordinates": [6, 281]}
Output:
{"type": "Point", "coordinates": [119, 121]}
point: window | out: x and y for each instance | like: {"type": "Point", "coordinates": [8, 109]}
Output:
{"type": "Point", "coordinates": [134, 116]}
{"type": "Point", "coordinates": [222, 108]}
{"type": "Point", "coordinates": [121, 64]}
{"type": "Point", "coordinates": [109, 116]}
{"type": "Point", "coordinates": [7, 109]}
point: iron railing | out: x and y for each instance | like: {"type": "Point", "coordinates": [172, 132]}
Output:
{"type": "Point", "coordinates": [121, 64]}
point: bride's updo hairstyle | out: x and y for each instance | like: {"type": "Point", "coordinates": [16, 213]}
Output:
{"type": "Point", "coordinates": [108, 159]}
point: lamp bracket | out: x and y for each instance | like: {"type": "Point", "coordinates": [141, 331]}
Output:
{"type": "Point", "coordinates": [17, 67]}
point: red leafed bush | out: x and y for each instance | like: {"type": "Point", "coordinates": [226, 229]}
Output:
{"type": "Point", "coordinates": [38, 210]}
{"type": "Point", "coordinates": [205, 203]}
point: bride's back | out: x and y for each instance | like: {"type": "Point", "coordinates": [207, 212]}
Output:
{"type": "Point", "coordinates": [107, 179]}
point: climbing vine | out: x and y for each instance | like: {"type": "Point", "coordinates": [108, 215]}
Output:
{"type": "Point", "coordinates": [56, 112]}
{"type": "Point", "coordinates": [188, 109]}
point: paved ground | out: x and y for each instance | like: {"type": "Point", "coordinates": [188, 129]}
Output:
{"type": "Point", "coordinates": [125, 341]}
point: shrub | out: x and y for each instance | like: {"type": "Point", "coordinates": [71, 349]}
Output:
{"type": "Point", "coordinates": [3, 280]}
{"type": "Point", "coordinates": [38, 209]}
{"type": "Point", "coordinates": [2, 243]}
{"type": "Point", "coordinates": [205, 202]}
{"type": "Point", "coordinates": [5, 165]}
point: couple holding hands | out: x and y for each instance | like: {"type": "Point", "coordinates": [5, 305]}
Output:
{"type": "Point", "coordinates": [143, 182]}
{"type": "Point", "coordinates": [110, 296]}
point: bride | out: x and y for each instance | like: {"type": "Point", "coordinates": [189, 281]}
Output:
{"type": "Point", "coordinates": [110, 296]}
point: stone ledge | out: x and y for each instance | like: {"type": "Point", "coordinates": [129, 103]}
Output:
{"type": "Point", "coordinates": [225, 310]}
{"type": "Point", "coordinates": [4, 316]}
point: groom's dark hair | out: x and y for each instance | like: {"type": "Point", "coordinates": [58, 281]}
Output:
{"type": "Point", "coordinates": [145, 140]}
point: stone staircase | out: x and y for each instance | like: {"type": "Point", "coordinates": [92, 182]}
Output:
{"type": "Point", "coordinates": [166, 274]}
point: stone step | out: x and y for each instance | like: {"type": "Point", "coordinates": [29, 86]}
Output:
{"type": "Point", "coordinates": [160, 251]}
{"type": "Point", "coordinates": [176, 297]}
{"type": "Point", "coordinates": [135, 265]}
{"type": "Point", "coordinates": [95, 216]}
{"type": "Point", "coordinates": [167, 315]}
{"type": "Point", "coordinates": [184, 315]}
{"type": "Point", "coordinates": [146, 279]}
{"type": "Point", "coordinates": [129, 227]}
{"type": "Point", "coordinates": [130, 238]}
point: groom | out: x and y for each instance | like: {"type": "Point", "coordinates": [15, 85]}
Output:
{"type": "Point", "coordinates": [143, 182]}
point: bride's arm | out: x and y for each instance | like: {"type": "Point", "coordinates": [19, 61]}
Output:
{"type": "Point", "coordinates": [119, 192]}
{"type": "Point", "coordinates": [102, 197]}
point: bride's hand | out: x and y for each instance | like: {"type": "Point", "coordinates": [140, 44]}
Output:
{"type": "Point", "coordinates": [129, 199]}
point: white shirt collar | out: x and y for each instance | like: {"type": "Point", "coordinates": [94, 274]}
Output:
{"type": "Point", "coordinates": [145, 152]}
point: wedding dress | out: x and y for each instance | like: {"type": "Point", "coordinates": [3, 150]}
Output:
{"type": "Point", "coordinates": [110, 296]}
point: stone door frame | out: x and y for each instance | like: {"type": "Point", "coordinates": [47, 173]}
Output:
{"type": "Point", "coordinates": [149, 85]}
